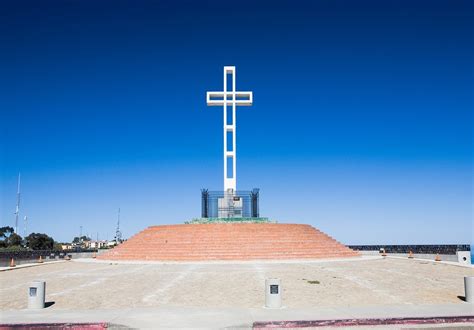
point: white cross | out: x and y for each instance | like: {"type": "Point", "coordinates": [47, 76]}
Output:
{"type": "Point", "coordinates": [229, 98]}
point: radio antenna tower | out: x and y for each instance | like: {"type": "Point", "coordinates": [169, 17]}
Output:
{"type": "Point", "coordinates": [118, 233]}
{"type": "Point", "coordinates": [25, 219]}
{"type": "Point", "coordinates": [17, 210]}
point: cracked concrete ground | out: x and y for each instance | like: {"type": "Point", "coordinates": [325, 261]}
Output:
{"type": "Point", "coordinates": [368, 282]}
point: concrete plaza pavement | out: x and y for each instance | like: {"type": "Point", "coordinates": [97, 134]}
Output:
{"type": "Point", "coordinates": [231, 294]}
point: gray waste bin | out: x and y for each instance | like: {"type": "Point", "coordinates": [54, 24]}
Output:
{"type": "Point", "coordinates": [272, 293]}
{"type": "Point", "coordinates": [36, 294]}
{"type": "Point", "coordinates": [469, 289]}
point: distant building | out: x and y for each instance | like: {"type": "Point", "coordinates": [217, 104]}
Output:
{"type": "Point", "coordinates": [98, 244]}
{"type": "Point", "coordinates": [111, 243]}
{"type": "Point", "coordinates": [88, 244]}
{"type": "Point", "coordinates": [66, 246]}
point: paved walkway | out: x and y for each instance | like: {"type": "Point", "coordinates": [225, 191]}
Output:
{"type": "Point", "coordinates": [214, 318]}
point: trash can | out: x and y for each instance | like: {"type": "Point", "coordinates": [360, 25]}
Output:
{"type": "Point", "coordinates": [272, 293]}
{"type": "Point", "coordinates": [36, 294]}
{"type": "Point", "coordinates": [469, 289]}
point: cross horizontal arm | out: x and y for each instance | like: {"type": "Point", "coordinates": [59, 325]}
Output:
{"type": "Point", "coordinates": [240, 99]}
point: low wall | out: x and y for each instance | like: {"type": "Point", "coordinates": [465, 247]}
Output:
{"type": "Point", "coordinates": [442, 249]}
{"type": "Point", "coordinates": [28, 257]}
{"type": "Point", "coordinates": [427, 256]}
{"type": "Point", "coordinates": [447, 252]}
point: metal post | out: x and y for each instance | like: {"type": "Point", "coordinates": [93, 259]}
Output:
{"type": "Point", "coordinates": [254, 199]}
{"type": "Point", "coordinates": [17, 210]}
{"type": "Point", "coordinates": [204, 203]}
{"type": "Point", "coordinates": [25, 222]}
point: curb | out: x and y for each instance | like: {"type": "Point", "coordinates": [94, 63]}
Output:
{"type": "Point", "coordinates": [6, 269]}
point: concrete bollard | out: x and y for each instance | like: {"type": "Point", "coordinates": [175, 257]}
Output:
{"type": "Point", "coordinates": [464, 257]}
{"type": "Point", "coordinates": [272, 293]}
{"type": "Point", "coordinates": [36, 295]}
{"type": "Point", "coordinates": [469, 289]}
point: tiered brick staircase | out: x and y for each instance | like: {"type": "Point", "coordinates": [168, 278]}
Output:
{"type": "Point", "coordinates": [231, 241]}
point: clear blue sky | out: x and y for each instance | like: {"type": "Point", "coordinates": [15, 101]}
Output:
{"type": "Point", "coordinates": [361, 126]}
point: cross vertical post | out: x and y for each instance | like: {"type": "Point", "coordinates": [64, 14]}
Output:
{"type": "Point", "coordinates": [230, 99]}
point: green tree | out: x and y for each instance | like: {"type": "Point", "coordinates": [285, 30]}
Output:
{"type": "Point", "coordinates": [5, 233]}
{"type": "Point", "coordinates": [78, 240]}
{"type": "Point", "coordinates": [37, 241]}
{"type": "Point", "coordinates": [57, 246]}
{"type": "Point", "coordinates": [14, 240]}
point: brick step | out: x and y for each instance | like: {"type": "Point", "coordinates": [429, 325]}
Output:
{"type": "Point", "coordinates": [230, 257]}
{"type": "Point", "coordinates": [234, 243]}
{"type": "Point", "coordinates": [235, 239]}
{"type": "Point", "coordinates": [279, 257]}
{"type": "Point", "coordinates": [209, 251]}
{"type": "Point", "coordinates": [231, 228]}
{"type": "Point", "coordinates": [242, 256]}
{"type": "Point", "coordinates": [151, 255]}
{"type": "Point", "coordinates": [243, 248]}
{"type": "Point", "coordinates": [221, 243]}
{"type": "Point", "coordinates": [293, 238]}
{"type": "Point", "coordinates": [250, 245]}
{"type": "Point", "coordinates": [236, 236]}
{"type": "Point", "coordinates": [189, 255]}
{"type": "Point", "coordinates": [233, 250]}
{"type": "Point", "coordinates": [229, 232]}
